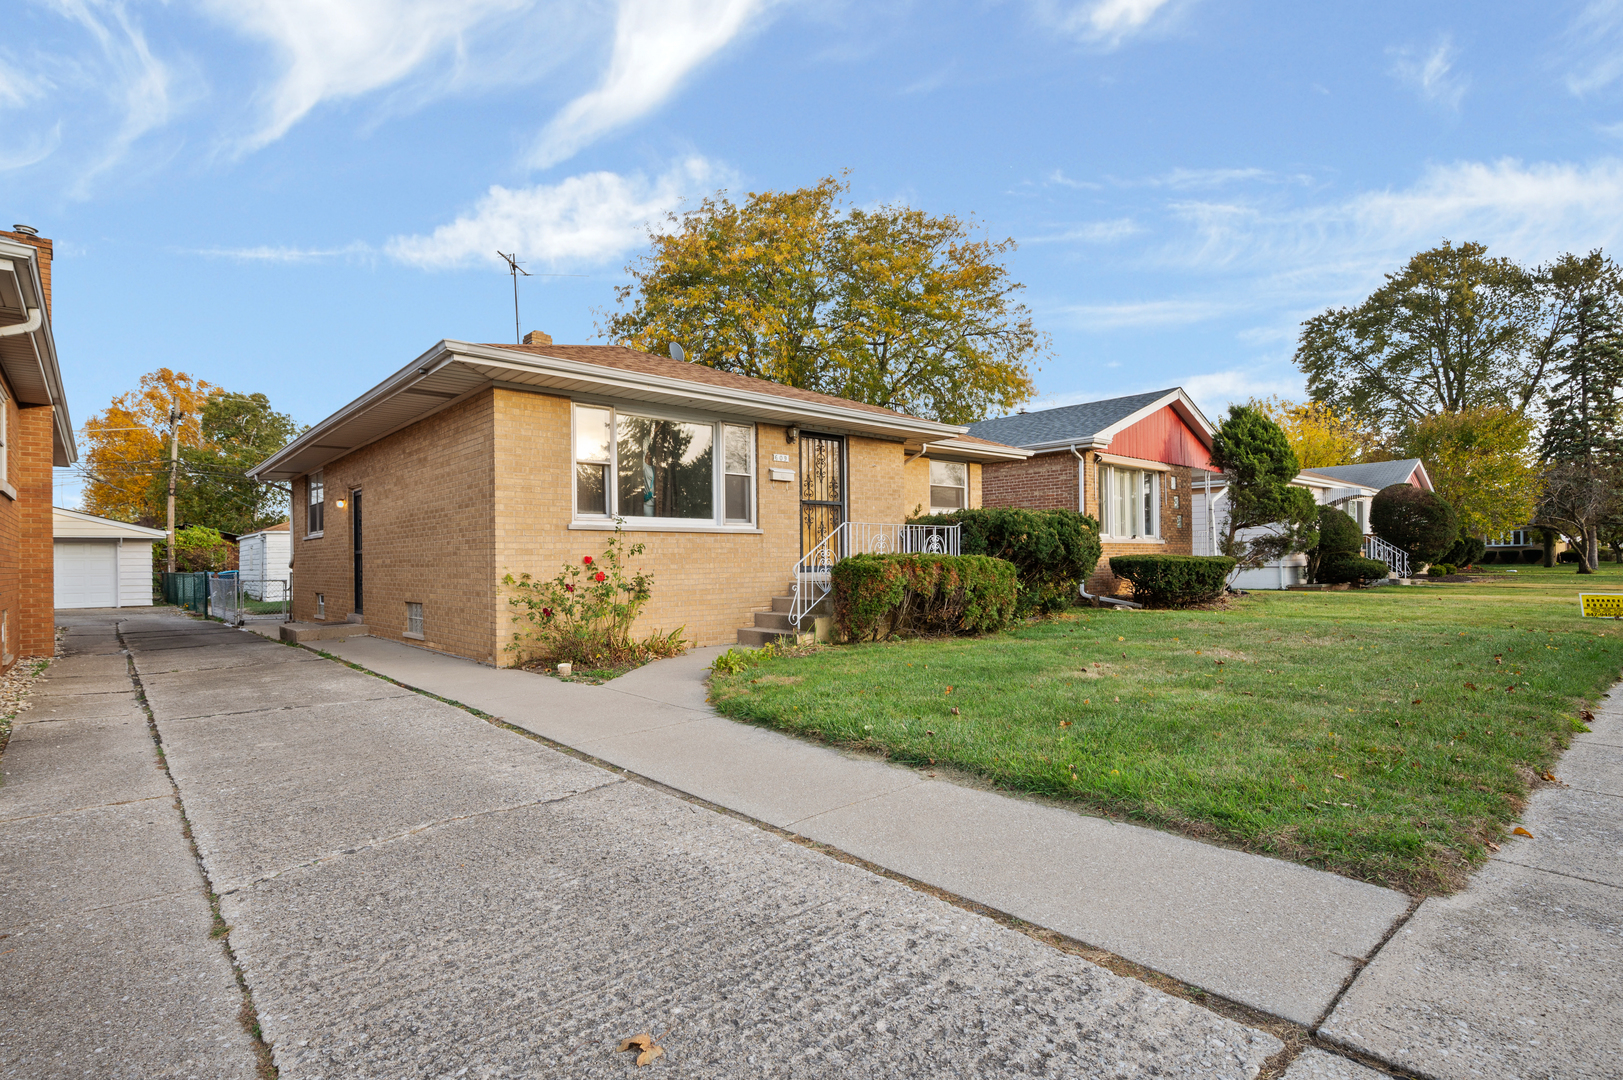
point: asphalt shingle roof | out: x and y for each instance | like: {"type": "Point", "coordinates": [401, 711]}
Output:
{"type": "Point", "coordinates": [1375, 474]}
{"type": "Point", "coordinates": [1067, 422]}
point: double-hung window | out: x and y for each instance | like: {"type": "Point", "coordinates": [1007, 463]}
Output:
{"type": "Point", "coordinates": [316, 506]}
{"type": "Point", "coordinates": [636, 466]}
{"type": "Point", "coordinates": [1129, 503]}
{"type": "Point", "coordinates": [949, 486]}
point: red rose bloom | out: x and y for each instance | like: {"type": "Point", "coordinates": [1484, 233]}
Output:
{"type": "Point", "coordinates": [601, 576]}
{"type": "Point", "coordinates": [568, 587]}
{"type": "Point", "coordinates": [588, 560]}
{"type": "Point", "coordinates": [546, 613]}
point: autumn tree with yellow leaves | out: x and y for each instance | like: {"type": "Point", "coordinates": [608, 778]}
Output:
{"type": "Point", "coordinates": [1320, 435]}
{"type": "Point", "coordinates": [127, 444]}
{"type": "Point", "coordinates": [886, 305]}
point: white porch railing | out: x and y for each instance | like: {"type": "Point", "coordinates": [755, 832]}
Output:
{"type": "Point", "coordinates": [1395, 558]}
{"type": "Point", "coordinates": [813, 577]}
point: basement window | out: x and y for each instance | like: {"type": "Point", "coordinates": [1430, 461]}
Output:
{"type": "Point", "coordinates": [414, 620]}
{"type": "Point", "coordinates": [321, 605]}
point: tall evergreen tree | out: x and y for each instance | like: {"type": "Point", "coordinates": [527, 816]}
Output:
{"type": "Point", "coordinates": [1582, 445]}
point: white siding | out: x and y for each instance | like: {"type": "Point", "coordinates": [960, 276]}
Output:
{"type": "Point", "coordinates": [135, 574]}
{"type": "Point", "coordinates": [262, 557]}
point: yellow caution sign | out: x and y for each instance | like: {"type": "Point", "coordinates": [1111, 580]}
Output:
{"type": "Point", "coordinates": [1601, 605]}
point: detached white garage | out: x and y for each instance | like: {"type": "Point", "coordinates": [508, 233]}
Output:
{"type": "Point", "coordinates": [101, 562]}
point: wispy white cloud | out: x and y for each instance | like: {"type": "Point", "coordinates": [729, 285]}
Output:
{"type": "Point", "coordinates": [136, 82]}
{"type": "Point", "coordinates": [1103, 22]}
{"type": "Point", "coordinates": [18, 87]}
{"type": "Point", "coordinates": [332, 50]}
{"type": "Point", "coordinates": [657, 43]}
{"type": "Point", "coordinates": [1093, 232]}
{"type": "Point", "coordinates": [282, 254]}
{"type": "Point", "coordinates": [586, 219]}
{"type": "Point", "coordinates": [1215, 391]}
{"type": "Point", "coordinates": [1430, 73]}
{"type": "Point", "coordinates": [1594, 47]}
{"type": "Point", "coordinates": [1145, 313]}
{"type": "Point", "coordinates": [21, 153]}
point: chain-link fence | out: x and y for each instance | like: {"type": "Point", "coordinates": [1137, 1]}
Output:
{"type": "Point", "coordinates": [235, 599]}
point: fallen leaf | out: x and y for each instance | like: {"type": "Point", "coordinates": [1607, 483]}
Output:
{"type": "Point", "coordinates": [650, 1054]}
{"type": "Point", "coordinates": [1470, 686]}
{"type": "Point", "coordinates": [1064, 723]}
{"type": "Point", "coordinates": [1416, 701]}
{"type": "Point", "coordinates": [641, 1042]}
{"type": "Point", "coordinates": [1338, 776]}
{"type": "Point", "coordinates": [1519, 831]}
{"type": "Point", "coordinates": [1492, 846]}
{"type": "Point", "coordinates": [1548, 775]}
{"type": "Point", "coordinates": [955, 710]}
{"type": "Point", "coordinates": [929, 732]}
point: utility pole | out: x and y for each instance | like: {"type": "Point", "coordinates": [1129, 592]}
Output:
{"type": "Point", "coordinates": [174, 467]}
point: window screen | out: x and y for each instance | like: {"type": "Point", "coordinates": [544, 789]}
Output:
{"type": "Point", "coordinates": [949, 486]}
{"type": "Point", "coordinates": [736, 465]}
{"type": "Point", "coordinates": [317, 505]}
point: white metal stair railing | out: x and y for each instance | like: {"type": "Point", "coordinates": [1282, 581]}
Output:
{"type": "Point", "coordinates": [1395, 558]}
{"type": "Point", "coordinates": [813, 574]}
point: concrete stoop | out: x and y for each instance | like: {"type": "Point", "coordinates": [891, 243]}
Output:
{"type": "Point", "coordinates": [773, 625]}
{"type": "Point", "coordinates": [300, 632]}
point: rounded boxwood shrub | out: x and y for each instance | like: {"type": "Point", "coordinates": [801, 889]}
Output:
{"type": "Point", "coordinates": [1418, 521]}
{"type": "Point", "coordinates": [1350, 568]}
{"type": "Point", "coordinates": [876, 595]}
{"type": "Point", "coordinates": [1467, 551]}
{"type": "Point", "coordinates": [1053, 550]}
{"type": "Point", "coordinates": [1173, 580]}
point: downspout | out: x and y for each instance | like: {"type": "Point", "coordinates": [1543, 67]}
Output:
{"type": "Point", "coordinates": [28, 326]}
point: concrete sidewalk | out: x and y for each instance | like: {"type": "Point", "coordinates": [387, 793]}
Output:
{"type": "Point", "coordinates": [413, 892]}
{"type": "Point", "coordinates": [1271, 934]}
{"type": "Point", "coordinates": [107, 968]}
{"type": "Point", "coordinates": [1520, 974]}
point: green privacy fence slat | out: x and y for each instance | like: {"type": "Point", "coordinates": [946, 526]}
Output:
{"type": "Point", "coordinates": [189, 591]}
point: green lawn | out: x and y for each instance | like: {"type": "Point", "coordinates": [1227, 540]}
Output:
{"type": "Point", "coordinates": [1387, 734]}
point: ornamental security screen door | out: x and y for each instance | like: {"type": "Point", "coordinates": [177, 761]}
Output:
{"type": "Point", "coordinates": [822, 488]}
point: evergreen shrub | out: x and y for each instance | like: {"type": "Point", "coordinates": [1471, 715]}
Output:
{"type": "Point", "coordinates": [1467, 551]}
{"type": "Point", "coordinates": [1053, 551]}
{"type": "Point", "coordinates": [877, 595]}
{"type": "Point", "coordinates": [1173, 580]}
{"type": "Point", "coordinates": [1350, 568]}
{"type": "Point", "coordinates": [1339, 536]}
{"type": "Point", "coordinates": [1418, 521]}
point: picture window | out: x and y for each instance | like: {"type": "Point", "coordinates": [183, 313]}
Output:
{"type": "Point", "coordinates": [637, 466]}
{"type": "Point", "coordinates": [1129, 507]}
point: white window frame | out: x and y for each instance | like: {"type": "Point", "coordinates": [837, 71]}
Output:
{"type": "Point", "coordinates": [717, 521]}
{"type": "Point", "coordinates": [1107, 504]}
{"type": "Point", "coordinates": [934, 509]}
{"type": "Point", "coordinates": [5, 438]}
{"type": "Point", "coordinates": [312, 482]}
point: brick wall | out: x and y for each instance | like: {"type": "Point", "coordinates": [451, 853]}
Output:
{"type": "Point", "coordinates": [428, 532]}
{"type": "Point", "coordinates": [1041, 482]}
{"type": "Point", "coordinates": [29, 471]}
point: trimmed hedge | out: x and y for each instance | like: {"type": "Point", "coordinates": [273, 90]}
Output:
{"type": "Point", "coordinates": [876, 595]}
{"type": "Point", "coordinates": [1053, 550]}
{"type": "Point", "coordinates": [1173, 580]}
{"type": "Point", "coordinates": [1350, 568]}
{"type": "Point", "coordinates": [1418, 521]}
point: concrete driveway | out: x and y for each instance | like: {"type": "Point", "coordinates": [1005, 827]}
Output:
{"type": "Point", "coordinates": [414, 892]}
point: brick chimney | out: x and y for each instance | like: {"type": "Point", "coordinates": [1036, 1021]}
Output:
{"type": "Point", "coordinates": [536, 337]}
{"type": "Point", "coordinates": [27, 234]}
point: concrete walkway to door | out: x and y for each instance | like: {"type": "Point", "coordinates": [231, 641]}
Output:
{"type": "Point", "coordinates": [1270, 934]}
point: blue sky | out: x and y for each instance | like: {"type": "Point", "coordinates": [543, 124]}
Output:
{"type": "Point", "coordinates": [298, 197]}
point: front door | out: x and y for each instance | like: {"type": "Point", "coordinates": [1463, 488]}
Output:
{"type": "Point", "coordinates": [355, 533]}
{"type": "Point", "coordinates": [822, 488]}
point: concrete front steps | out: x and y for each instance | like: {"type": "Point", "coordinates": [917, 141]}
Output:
{"type": "Point", "coordinates": [773, 625]}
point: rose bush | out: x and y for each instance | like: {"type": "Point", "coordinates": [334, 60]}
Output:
{"type": "Point", "coordinates": [584, 615]}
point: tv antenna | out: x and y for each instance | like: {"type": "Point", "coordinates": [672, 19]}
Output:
{"type": "Point", "coordinates": [514, 269]}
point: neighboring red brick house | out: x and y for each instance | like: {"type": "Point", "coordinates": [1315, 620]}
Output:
{"type": "Point", "coordinates": [475, 461]}
{"type": "Point", "coordinates": [1138, 451]}
{"type": "Point", "coordinates": [35, 433]}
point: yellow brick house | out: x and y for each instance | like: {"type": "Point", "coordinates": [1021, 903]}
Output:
{"type": "Point", "coordinates": [412, 502]}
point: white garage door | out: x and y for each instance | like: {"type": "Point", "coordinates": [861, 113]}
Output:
{"type": "Point", "coordinates": [86, 573]}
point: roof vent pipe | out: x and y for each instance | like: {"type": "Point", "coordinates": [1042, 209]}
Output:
{"type": "Point", "coordinates": [26, 230]}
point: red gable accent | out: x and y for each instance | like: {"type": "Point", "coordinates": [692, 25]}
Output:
{"type": "Point", "coordinates": [1162, 436]}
